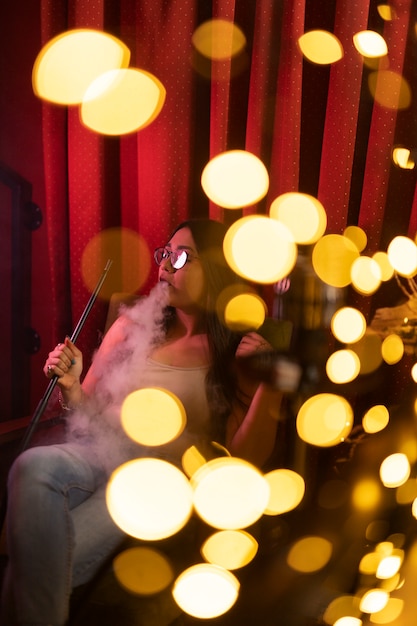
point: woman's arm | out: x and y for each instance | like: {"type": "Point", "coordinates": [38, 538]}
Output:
{"type": "Point", "coordinates": [252, 426]}
{"type": "Point", "coordinates": [66, 362]}
{"type": "Point", "coordinates": [251, 432]}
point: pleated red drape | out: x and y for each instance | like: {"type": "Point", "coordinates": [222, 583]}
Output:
{"type": "Point", "coordinates": [143, 181]}
{"type": "Point", "coordinates": [140, 182]}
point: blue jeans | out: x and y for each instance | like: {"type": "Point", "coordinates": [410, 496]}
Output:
{"type": "Point", "coordinates": [59, 532]}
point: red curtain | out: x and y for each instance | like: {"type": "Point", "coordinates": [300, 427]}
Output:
{"type": "Point", "coordinates": [317, 129]}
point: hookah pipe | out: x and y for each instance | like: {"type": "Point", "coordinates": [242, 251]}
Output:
{"type": "Point", "coordinates": [52, 383]}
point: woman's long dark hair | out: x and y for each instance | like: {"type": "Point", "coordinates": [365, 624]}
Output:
{"type": "Point", "coordinates": [221, 383]}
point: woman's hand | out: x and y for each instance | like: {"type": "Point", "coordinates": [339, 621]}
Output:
{"type": "Point", "coordinates": [66, 362]}
{"type": "Point", "coordinates": [252, 343]}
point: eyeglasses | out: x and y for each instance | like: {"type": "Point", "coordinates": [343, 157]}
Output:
{"type": "Point", "coordinates": [178, 258]}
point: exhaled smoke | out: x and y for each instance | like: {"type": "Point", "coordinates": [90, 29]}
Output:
{"type": "Point", "coordinates": [117, 369]}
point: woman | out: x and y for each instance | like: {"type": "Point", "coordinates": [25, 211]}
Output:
{"type": "Point", "coordinates": [59, 530]}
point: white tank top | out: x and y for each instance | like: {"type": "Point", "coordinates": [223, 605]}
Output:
{"type": "Point", "coordinates": [188, 384]}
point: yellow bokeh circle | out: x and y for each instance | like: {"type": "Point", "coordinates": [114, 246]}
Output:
{"type": "Point", "coordinates": [260, 249]}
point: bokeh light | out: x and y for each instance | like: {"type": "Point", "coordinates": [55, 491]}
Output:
{"type": "Point", "coordinates": [235, 179]}
{"type": "Point", "coordinates": [122, 101]}
{"type": "Point", "coordinates": [287, 490]}
{"type": "Point", "coordinates": [348, 324]}
{"type": "Point", "coordinates": [332, 258]}
{"type": "Point", "coordinates": [389, 565]}
{"type": "Point", "coordinates": [309, 554]}
{"type": "Point", "coordinates": [402, 254]}
{"type": "Point", "coordinates": [402, 158]}
{"type": "Point", "coordinates": [244, 312]}
{"type": "Point", "coordinates": [370, 44]}
{"type": "Point", "coordinates": [390, 613]}
{"type": "Point", "coordinates": [205, 590]}
{"type": "Point", "coordinates": [343, 366]}
{"type": "Point", "coordinates": [387, 12]}
{"type": "Point", "coordinates": [149, 499]}
{"type": "Point", "coordinates": [219, 39]}
{"type": "Point", "coordinates": [229, 493]}
{"type": "Point", "coordinates": [302, 214]}
{"type": "Point", "coordinates": [131, 261]}
{"type": "Point", "coordinates": [348, 620]}
{"type": "Point", "coordinates": [394, 470]}
{"type": "Point", "coordinates": [392, 349]}
{"type": "Point", "coordinates": [373, 600]}
{"type": "Point", "coordinates": [357, 236]}
{"type": "Point", "coordinates": [153, 416]}
{"type": "Point", "coordinates": [260, 249]}
{"type": "Point", "coordinates": [143, 570]}
{"type": "Point", "coordinates": [192, 460]}
{"type": "Point", "coordinates": [375, 419]}
{"type": "Point", "coordinates": [390, 89]}
{"type": "Point", "coordinates": [365, 275]}
{"type": "Point", "coordinates": [340, 607]}
{"type": "Point", "coordinates": [387, 271]}
{"type": "Point", "coordinates": [231, 549]}
{"type": "Point", "coordinates": [68, 64]}
{"type": "Point", "coordinates": [369, 351]}
{"type": "Point", "coordinates": [321, 47]}
{"type": "Point", "coordinates": [325, 419]}
{"type": "Point", "coordinates": [366, 494]}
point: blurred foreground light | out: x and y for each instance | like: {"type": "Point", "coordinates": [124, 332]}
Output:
{"type": "Point", "coordinates": [309, 554]}
{"type": "Point", "coordinates": [374, 600]}
{"type": "Point", "coordinates": [122, 101]}
{"type": "Point", "coordinates": [321, 47]}
{"type": "Point", "coordinates": [414, 372]}
{"type": "Point", "coordinates": [390, 613]}
{"type": "Point", "coordinates": [366, 275]}
{"type": "Point", "coordinates": [357, 235]}
{"type": "Point", "coordinates": [368, 350]}
{"type": "Point", "coordinates": [218, 39]}
{"type": "Point", "coordinates": [235, 179]}
{"type": "Point", "coordinates": [260, 249]}
{"type": "Point", "coordinates": [229, 493]}
{"type": "Point", "coordinates": [149, 499]}
{"type": "Point", "coordinates": [387, 271]}
{"type": "Point", "coordinates": [394, 470]}
{"type": "Point", "coordinates": [392, 349]}
{"type": "Point", "coordinates": [343, 366]}
{"type": "Point", "coordinates": [341, 607]}
{"type": "Point", "coordinates": [366, 494]}
{"type": "Point", "coordinates": [70, 62]}
{"type": "Point", "coordinates": [131, 261]}
{"type": "Point", "coordinates": [348, 324]}
{"type": "Point", "coordinates": [387, 12]}
{"type": "Point", "coordinates": [370, 44]}
{"type": "Point", "coordinates": [244, 312]}
{"type": "Point", "coordinates": [206, 591]}
{"type": "Point", "coordinates": [389, 89]}
{"type": "Point", "coordinates": [402, 158]}
{"type": "Point", "coordinates": [333, 256]}
{"type": "Point", "coordinates": [152, 416]}
{"type": "Point", "coordinates": [375, 419]}
{"type": "Point", "coordinates": [192, 460]}
{"type": "Point", "coordinates": [287, 490]}
{"type": "Point", "coordinates": [231, 549]}
{"type": "Point", "coordinates": [389, 566]}
{"type": "Point", "coordinates": [414, 508]}
{"type": "Point", "coordinates": [143, 571]}
{"type": "Point", "coordinates": [302, 214]}
{"type": "Point", "coordinates": [324, 420]}
{"type": "Point", "coordinates": [402, 254]}
{"type": "Point", "coordinates": [348, 621]}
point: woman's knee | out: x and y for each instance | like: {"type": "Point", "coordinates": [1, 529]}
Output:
{"type": "Point", "coordinates": [34, 464]}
